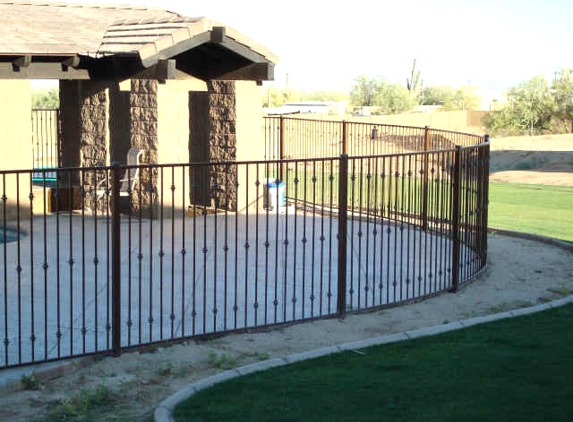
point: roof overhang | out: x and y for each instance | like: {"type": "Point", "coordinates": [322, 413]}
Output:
{"type": "Point", "coordinates": [27, 66]}
{"type": "Point", "coordinates": [213, 54]}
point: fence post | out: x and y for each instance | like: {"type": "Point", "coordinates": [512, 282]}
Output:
{"type": "Point", "coordinates": [342, 233]}
{"type": "Point", "coordinates": [344, 137]}
{"type": "Point", "coordinates": [456, 193]}
{"type": "Point", "coordinates": [115, 261]}
{"type": "Point", "coordinates": [59, 138]}
{"type": "Point", "coordinates": [484, 200]}
{"type": "Point", "coordinates": [281, 146]}
{"type": "Point", "coordinates": [425, 187]}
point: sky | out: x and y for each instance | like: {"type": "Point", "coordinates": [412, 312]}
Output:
{"type": "Point", "coordinates": [323, 44]}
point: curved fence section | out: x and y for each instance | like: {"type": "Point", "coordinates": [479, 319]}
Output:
{"type": "Point", "coordinates": [287, 137]}
{"type": "Point", "coordinates": [88, 266]}
{"type": "Point", "coordinates": [417, 202]}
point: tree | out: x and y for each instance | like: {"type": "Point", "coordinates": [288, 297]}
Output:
{"type": "Point", "coordinates": [324, 95]}
{"type": "Point", "coordinates": [272, 97]}
{"type": "Point", "coordinates": [275, 97]}
{"type": "Point", "coordinates": [438, 95]}
{"type": "Point", "coordinates": [562, 91]}
{"type": "Point", "coordinates": [529, 109]}
{"type": "Point", "coordinates": [290, 95]}
{"type": "Point", "coordinates": [465, 98]}
{"type": "Point", "coordinates": [389, 98]}
{"type": "Point", "coordinates": [532, 105]}
{"type": "Point", "coordinates": [363, 91]}
{"type": "Point", "coordinates": [394, 98]}
{"type": "Point", "coordinates": [46, 98]}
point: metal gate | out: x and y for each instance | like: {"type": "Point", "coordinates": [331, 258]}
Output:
{"type": "Point", "coordinates": [45, 144]}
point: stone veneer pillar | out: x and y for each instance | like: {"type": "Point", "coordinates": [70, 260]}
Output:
{"type": "Point", "coordinates": [213, 138]}
{"type": "Point", "coordinates": [84, 108]}
{"type": "Point", "coordinates": [223, 143]}
{"type": "Point", "coordinates": [84, 111]}
{"type": "Point", "coordinates": [143, 128]}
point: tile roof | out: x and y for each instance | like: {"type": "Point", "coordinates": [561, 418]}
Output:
{"type": "Point", "coordinates": [60, 29]}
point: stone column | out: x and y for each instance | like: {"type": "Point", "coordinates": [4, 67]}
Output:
{"type": "Point", "coordinates": [223, 143]}
{"type": "Point", "coordinates": [85, 138]}
{"type": "Point", "coordinates": [143, 128]}
{"type": "Point", "coordinates": [213, 138]}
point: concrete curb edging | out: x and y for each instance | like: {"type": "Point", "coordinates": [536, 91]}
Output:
{"type": "Point", "coordinates": [163, 411]}
{"type": "Point", "coordinates": [534, 237]}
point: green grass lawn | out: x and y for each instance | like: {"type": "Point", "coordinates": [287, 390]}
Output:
{"type": "Point", "coordinates": [386, 195]}
{"type": "Point", "coordinates": [511, 370]}
{"type": "Point", "coordinates": [518, 369]}
{"type": "Point", "coordinates": [543, 210]}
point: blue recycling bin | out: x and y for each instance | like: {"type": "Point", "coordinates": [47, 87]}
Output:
{"type": "Point", "coordinates": [275, 197]}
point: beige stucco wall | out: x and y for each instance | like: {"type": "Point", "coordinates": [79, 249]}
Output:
{"type": "Point", "coordinates": [15, 144]}
{"type": "Point", "coordinates": [15, 124]}
{"type": "Point", "coordinates": [173, 119]}
{"type": "Point", "coordinates": [250, 142]}
{"type": "Point", "coordinates": [173, 140]}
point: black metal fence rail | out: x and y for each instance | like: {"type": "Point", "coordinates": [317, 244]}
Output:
{"type": "Point", "coordinates": [193, 249]}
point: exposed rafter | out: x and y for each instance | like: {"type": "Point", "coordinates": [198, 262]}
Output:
{"type": "Point", "coordinates": [177, 49]}
{"type": "Point", "coordinates": [163, 70]}
{"type": "Point", "coordinates": [21, 62]}
{"type": "Point", "coordinates": [70, 62]}
{"type": "Point", "coordinates": [255, 71]}
{"type": "Point", "coordinates": [29, 67]}
{"type": "Point", "coordinates": [219, 36]}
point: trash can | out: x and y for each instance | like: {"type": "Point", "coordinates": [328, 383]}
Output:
{"type": "Point", "coordinates": [274, 195]}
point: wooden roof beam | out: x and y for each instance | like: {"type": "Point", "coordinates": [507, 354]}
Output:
{"type": "Point", "coordinates": [21, 62]}
{"type": "Point", "coordinates": [252, 72]}
{"type": "Point", "coordinates": [176, 49]}
{"type": "Point", "coordinates": [42, 67]}
{"type": "Point", "coordinates": [73, 62]}
{"type": "Point", "coordinates": [163, 70]}
{"type": "Point", "coordinates": [40, 70]}
{"type": "Point", "coordinates": [219, 36]}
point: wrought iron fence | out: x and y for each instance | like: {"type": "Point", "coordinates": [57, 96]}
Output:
{"type": "Point", "coordinates": [288, 137]}
{"type": "Point", "coordinates": [45, 143]}
{"type": "Point", "coordinates": [202, 248]}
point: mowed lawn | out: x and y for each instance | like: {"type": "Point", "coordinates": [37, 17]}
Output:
{"type": "Point", "coordinates": [543, 210]}
{"type": "Point", "coordinates": [518, 369]}
{"type": "Point", "coordinates": [511, 370]}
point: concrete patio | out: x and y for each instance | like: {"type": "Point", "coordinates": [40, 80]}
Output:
{"type": "Point", "coordinates": [189, 276]}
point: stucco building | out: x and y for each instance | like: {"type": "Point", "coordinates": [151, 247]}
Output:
{"type": "Point", "coordinates": [180, 88]}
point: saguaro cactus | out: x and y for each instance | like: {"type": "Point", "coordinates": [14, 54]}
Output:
{"type": "Point", "coordinates": [413, 83]}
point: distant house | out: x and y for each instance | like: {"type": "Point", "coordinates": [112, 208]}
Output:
{"type": "Point", "coordinates": [314, 107]}
{"type": "Point", "coordinates": [430, 108]}
{"type": "Point", "coordinates": [131, 77]}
